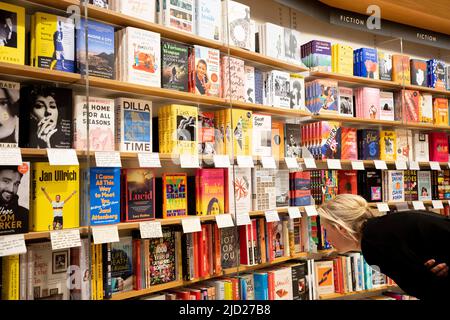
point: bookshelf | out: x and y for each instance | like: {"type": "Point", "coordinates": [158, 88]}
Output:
{"type": "Point", "coordinates": [358, 294]}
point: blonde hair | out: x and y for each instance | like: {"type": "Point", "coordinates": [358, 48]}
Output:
{"type": "Point", "coordinates": [348, 211]}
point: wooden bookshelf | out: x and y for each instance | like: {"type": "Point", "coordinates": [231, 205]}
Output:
{"type": "Point", "coordinates": [356, 121]}
{"type": "Point", "coordinates": [358, 294]}
{"type": "Point", "coordinates": [354, 80]}
{"type": "Point", "coordinates": [435, 92]}
{"type": "Point", "coordinates": [22, 71]}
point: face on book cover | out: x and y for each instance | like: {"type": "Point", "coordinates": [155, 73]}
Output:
{"type": "Point", "coordinates": [338, 238]}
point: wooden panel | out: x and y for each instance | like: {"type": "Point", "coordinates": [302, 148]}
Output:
{"type": "Point", "coordinates": [17, 70]}
{"type": "Point", "coordinates": [361, 294]}
{"type": "Point", "coordinates": [429, 90]}
{"type": "Point", "coordinates": [343, 78]}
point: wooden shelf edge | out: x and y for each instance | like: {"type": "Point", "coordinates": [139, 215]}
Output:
{"type": "Point", "coordinates": [357, 293]}
{"type": "Point", "coordinates": [18, 70]}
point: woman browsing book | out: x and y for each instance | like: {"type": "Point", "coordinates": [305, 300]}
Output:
{"type": "Point", "coordinates": [410, 247]}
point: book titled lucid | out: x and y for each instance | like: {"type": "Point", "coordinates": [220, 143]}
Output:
{"type": "Point", "coordinates": [104, 196]}
{"type": "Point", "coordinates": [138, 185]}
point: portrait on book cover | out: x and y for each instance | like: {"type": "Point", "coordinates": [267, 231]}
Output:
{"type": "Point", "coordinates": [9, 117]}
{"type": "Point", "coordinates": [8, 29]}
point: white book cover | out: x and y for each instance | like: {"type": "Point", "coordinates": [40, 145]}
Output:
{"type": "Point", "coordinates": [240, 190]}
{"type": "Point", "coordinates": [282, 279]}
{"type": "Point", "coordinates": [10, 93]}
{"type": "Point", "coordinates": [345, 101]}
{"type": "Point", "coordinates": [297, 92]}
{"type": "Point", "coordinates": [263, 189]}
{"type": "Point", "coordinates": [249, 86]}
{"type": "Point", "coordinates": [404, 145]}
{"type": "Point", "coordinates": [101, 124]}
{"type": "Point", "coordinates": [396, 186]}
{"type": "Point", "coordinates": [262, 135]}
{"type": "Point", "coordinates": [208, 19]}
{"type": "Point", "coordinates": [281, 89]}
{"type": "Point", "coordinates": [133, 125]}
{"type": "Point", "coordinates": [426, 107]}
{"type": "Point", "coordinates": [143, 57]}
{"type": "Point", "coordinates": [237, 29]}
{"type": "Point", "coordinates": [424, 185]}
{"type": "Point", "coordinates": [274, 41]}
{"type": "Point", "coordinates": [421, 147]}
{"type": "Point", "coordinates": [30, 273]}
{"type": "Point", "coordinates": [141, 9]}
{"type": "Point", "coordinates": [387, 106]}
{"type": "Point", "coordinates": [210, 83]}
{"type": "Point", "coordinates": [179, 14]}
{"type": "Point", "coordinates": [85, 268]}
{"type": "Point", "coordinates": [292, 45]}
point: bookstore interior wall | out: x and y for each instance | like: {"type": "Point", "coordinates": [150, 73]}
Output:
{"type": "Point", "coordinates": [155, 89]}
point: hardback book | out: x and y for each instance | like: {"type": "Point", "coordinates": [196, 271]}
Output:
{"type": "Point", "coordinates": [292, 140]}
{"type": "Point", "coordinates": [316, 55]}
{"type": "Point", "coordinates": [410, 105]}
{"type": "Point", "coordinates": [421, 147]}
{"type": "Point", "coordinates": [292, 45]}
{"type": "Point", "coordinates": [162, 257]}
{"type": "Point", "coordinates": [12, 40]}
{"type": "Point", "coordinates": [210, 193]}
{"type": "Point", "coordinates": [371, 185]}
{"type": "Point", "coordinates": [385, 65]}
{"type": "Point", "coordinates": [236, 24]}
{"type": "Point", "coordinates": [54, 197]}
{"type": "Point", "coordinates": [122, 265]}
{"type": "Point", "coordinates": [206, 133]}
{"type": "Point", "coordinates": [330, 135]}
{"type": "Point", "coordinates": [282, 188]}
{"type": "Point", "coordinates": [388, 145]}
{"type": "Point", "coordinates": [395, 186]}
{"type": "Point", "coordinates": [101, 123]}
{"type": "Point", "coordinates": [369, 63]}
{"type": "Point", "coordinates": [100, 43]}
{"type": "Point", "coordinates": [140, 9]}
{"type": "Point", "coordinates": [174, 65]}
{"type": "Point", "coordinates": [54, 46]}
{"type": "Point", "coordinates": [104, 196]}
{"type": "Point", "coordinates": [277, 239]}
{"type": "Point", "coordinates": [299, 281]}
{"type": "Point", "coordinates": [322, 96]}
{"type": "Point", "coordinates": [263, 189]}
{"type": "Point", "coordinates": [241, 132]}
{"type": "Point", "coordinates": [177, 14]}
{"type": "Point", "coordinates": [15, 202]}
{"type": "Point", "coordinates": [138, 195]}
{"type": "Point", "coordinates": [282, 278]}
{"type": "Point", "coordinates": [272, 40]}
{"type": "Point", "coordinates": [300, 190]}
{"type": "Point", "coordinates": [345, 101]}
{"type": "Point", "coordinates": [349, 144]}
{"type": "Point", "coordinates": [368, 100]}
{"type": "Point", "coordinates": [233, 78]}
{"type": "Point", "coordinates": [426, 108]}
{"type": "Point", "coordinates": [438, 146]}
{"type": "Point", "coordinates": [387, 107]}
{"type": "Point", "coordinates": [401, 73]}
{"type": "Point", "coordinates": [174, 195]}
{"type": "Point", "coordinates": [105, 4]}
{"type": "Point", "coordinates": [369, 144]}
{"type": "Point", "coordinates": [261, 286]}
{"type": "Point", "coordinates": [440, 106]}
{"type": "Point", "coordinates": [324, 277]}
{"type": "Point", "coordinates": [297, 91]}
{"type": "Point", "coordinates": [259, 86]}
{"type": "Point", "coordinates": [262, 135]}
{"type": "Point", "coordinates": [46, 117]}
{"type": "Point", "coordinates": [411, 191]}
{"type": "Point", "coordinates": [133, 125]}
{"type": "Point", "coordinates": [404, 145]}
{"type": "Point", "coordinates": [204, 69]}
{"type": "Point", "coordinates": [419, 76]}
{"type": "Point", "coordinates": [239, 195]}
{"type": "Point", "coordinates": [208, 19]}
{"type": "Point", "coordinates": [277, 140]}
{"type": "Point", "coordinates": [229, 247]}
{"type": "Point", "coordinates": [342, 59]}
{"type": "Point", "coordinates": [247, 287]}
{"type": "Point", "coordinates": [249, 85]}
{"type": "Point", "coordinates": [348, 181]}
{"type": "Point", "coordinates": [10, 94]}
{"type": "Point", "coordinates": [279, 83]}
{"type": "Point", "coordinates": [436, 74]}
{"type": "Point", "coordinates": [424, 185]}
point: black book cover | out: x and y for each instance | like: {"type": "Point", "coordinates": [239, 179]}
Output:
{"type": "Point", "coordinates": [299, 284]}
{"type": "Point", "coordinates": [174, 61]}
{"type": "Point", "coordinates": [292, 141]}
{"type": "Point", "coordinates": [229, 247]}
{"type": "Point", "coordinates": [372, 187]}
{"type": "Point", "coordinates": [138, 191]}
{"type": "Point", "coordinates": [419, 75]}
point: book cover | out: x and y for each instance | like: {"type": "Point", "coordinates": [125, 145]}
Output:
{"type": "Point", "coordinates": [105, 4]}
{"type": "Point", "coordinates": [424, 185]}
{"type": "Point", "coordinates": [54, 197]}
{"type": "Point", "coordinates": [282, 279]}
{"type": "Point", "coordinates": [205, 72]}
{"type": "Point", "coordinates": [436, 74]}
{"type": "Point", "coordinates": [211, 191]}
{"type": "Point", "coordinates": [12, 35]}
{"type": "Point", "coordinates": [179, 15]}
{"type": "Point", "coordinates": [324, 277]}
{"type": "Point", "coordinates": [140, 9]}
{"type": "Point", "coordinates": [292, 141]}
{"type": "Point", "coordinates": [438, 146]}
{"type": "Point", "coordinates": [327, 96]}
{"type": "Point", "coordinates": [385, 65]}
{"type": "Point", "coordinates": [138, 186]}
{"type": "Point", "coordinates": [274, 40]}
{"type": "Point", "coordinates": [236, 24]}
{"type": "Point", "coordinates": [263, 192]}
{"type": "Point", "coordinates": [46, 117]}
{"type": "Point", "coordinates": [262, 135]}
{"type": "Point", "coordinates": [330, 140]}
{"type": "Point", "coordinates": [104, 196]}
{"type": "Point", "coordinates": [208, 19]}
{"type": "Point", "coordinates": [162, 253]}
{"type": "Point", "coordinates": [301, 188]}
{"type": "Point", "coordinates": [395, 186]}
{"type": "Point", "coordinates": [292, 45]}
{"type": "Point", "coordinates": [174, 195]}
{"type": "Point", "coordinates": [280, 87]}
{"type": "Point", "coordinates": [10, 97]}
{"type": "Point", "coordinates": [239, 190]}
{"type": "Point", "coordinates": [345, 101]}
{"type": "Point", "coordinates": [249, 85]}
{"type": "Point", "coordinates": [282, 188]}
{"type": "Point", "coordinates": [206, 133]}
{"type": "Point", "coordinates": [297, 92]}
{"type": "Point", "coordinates": [14, 199]}
{"type": "Point", "coordinates": [369, 63]}
{"type": "Point", "coordinates": [241, 132]}
{"type": "Point", "coordinates": [349, 144]}
{"type": "Point", "coordinates": [388, 145]}
{"type": "Point", "coordinates": [101, 123]}
{"type": "Point", "coordinates": [348, 181]}
{"type": "Point", "coordinates": [419, 74]}
{"type": "Point", "coordinates": [299, 281]}
{"type": "Point", "coordinates": [100, 41]}
{"type": "Point", "coordinates": [410, 105]}
{"type": "Point", "coordinates": [233, 78]}
{"type": "Point", "coordinates": [277, 140]}
{"type": "Point", "coordinates": [371, 103]}
{"type": "Point", "coordinates": [426, 108]}
{"type": "Point", "coordinates": [421, 150]}
{"type": "Point", "coordinates": [229, 247]}
{"type": "Point", "coordinates": [258, 86]}
{"type": "Point", "coordinates": [440, 106]}
{"type": "Point", "coordinates": [387, 111]}
{"type": "Point", "coordinates": [370, 144]}
{"type": "Point", "coordinates": [404, 145]}
{"type": "Point", "coordinates": [174, 61]}
{"type": "Point", "coordinates": [401, 69]}
{"type": "Point", "coordinates": [277, 239]}
{"type": "Point", "coordinates": [122, 265]}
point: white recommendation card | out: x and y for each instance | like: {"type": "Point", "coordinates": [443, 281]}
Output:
{"type": "Point", "coordinates": [311, 211]}
{"type": "Point", "coordinates": [268, 163]}
{"type": "Point", "coordinates": [13, 244]}
{"type": "Point", "coordinates": [310, 163]}
{"type": "Point", "coordinates": [150, 229]}
{"type": "Point", "coordinates": [383, 207]}
{"type": "Point", "coordinates": [401, 165]}
{"type": "Point", "coordinates": [272, 216]}
{"type": "Point", "coordinates": [62, 157]}
{"type": "Point", "coordinates": [221, 161]}
{"type": "Point", "coordinates": [418, 205]}
{"type": "Point", "coordinates": [414, 165]}
{"type": "Point", "coordinates": [435, 165]}
{"type": "Point", "coordinates": [437, 204]}
{"type": "Point", "coordinates": [334, 164]}
{"type": "Point", "coordinates": [294, 212]}
{"type": "Point", "coordinates": [189, 161]}
{"type": "Point", "coordinates": [245, 161]}
{"type": "Point", "coordinates": [10, 157]}
{"type": "Point", "coordinates": [224, 220]}
{"type": "Point", "coordinates": [105, 234]}
{"type": "Point", "coordinates": [64, 239]}
{"type": "Point", "coordinates": [191, 225]}
{"type": "Point", "coordinates": [242, 219]}
{"type": "Point", "coordinates": [358, 165]}
{"type": "Point", "coordinates": [108, 159]}
{"type": "Point", "coordinates": [291, 163]}
{"type": "Point", "coordinates": [380, 164]}
{"type": "Point", "coordinates": [149, 160]}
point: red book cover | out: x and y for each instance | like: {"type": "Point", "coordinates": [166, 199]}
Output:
{"type": "Point", "coordinates": [197, 294]}
{"type": "Point", "coordinates": [210, 239]}
{"type": "Point", "coordinates": [204, 252]}
{"type": "Point", "coordinates": [196, 236]}
{"type": "Point", "coordinates": [410, 105]}
{"type": "Point", "coordinates": [217, 253]}
{"type": "Point", "coordinates": [262, 240]}
{"type": "Point", "coordinates": [438, 146]}
{"type": "Point", "coordinates": [269, 244]}
{"type": "Point", "coordinates": [183, 295]}
{"type": "Point", "coordinates": [138, 185]}
{"type": "Point", "coordinates": [254, 242]}
{"type": "Point", "coordinates": [244, 245]}
{"type": "Point", "coordinates": [349, 141]}
{"type": "Point", "coordinates": [336, 279]}
{"type": "Point", "coordinates": [347, 181]}
{"type": "Point", "coordinates": [211, 193]}
{"type": "Point", "coordinates": [271, 285]}
{"type": "Point", "coordinates": [235, 286]}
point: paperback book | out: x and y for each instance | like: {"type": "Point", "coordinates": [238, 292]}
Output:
{"type": "Point", "coordinates": [204, 69]}
{"type": "Point", "coordinates": [104, 196]}
{"type": "Point", "coordinates": [138, 202]}
{"type": "Point", "coordinates": [12, 37]}
{"type": "Point", "coordinates": [10, 95]}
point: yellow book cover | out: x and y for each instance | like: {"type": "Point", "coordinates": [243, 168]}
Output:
{"type": "Point", "coordinates": [12, 34]}
{"type": "Point", "coordinates": [174, 195]}
{"type": "Point", "coordinates": [228, 290]}
{"type": "Point", "coordinates": [32, 41]}
{"type": "Point", "coordinates": [440, 107]}
{"type": "Point", "coordinates": [345, 59]}
{"type": "Point", "coordinates": [333, 58]}
{"type": "Point", "coordinates": [99, 268]}
{"type": "Point", "coordinates": [242, 132]}
{"type": "Point", "coordinates": [10, 277]}
{"type": "Point", "coordinates": [426, 108]}
{"type": "Point", "coordinates": [228, 139]}
{"type": "Point", "coordinates": [54, 197]}
{"type": "Point", "coordinates": [218, 142]}
{"type": "Point", "coordinates": [388, 145]}
{"type": "Point", "coordinates": [183, 128]}
{"type": "Point", "coordinates": [93, 273]}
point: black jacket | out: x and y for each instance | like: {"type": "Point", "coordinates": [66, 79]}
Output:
{"type": "Point", "coordinates": [400, 243]}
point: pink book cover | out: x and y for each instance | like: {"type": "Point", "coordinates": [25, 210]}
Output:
{"type": "Point", "coordinates": [211, 191]}
{"type": "Point", "coordinates": [410, 104]}
{"type": "Point", "coordinates": [371, 103]}
{"type": "Point", "coordinates": [349, 141]}
{"type": "Point", "coordinates": [438, 146]}
{"type": "Point", "coordinates": [233, 78]}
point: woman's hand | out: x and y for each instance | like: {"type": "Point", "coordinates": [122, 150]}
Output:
{"type": "Point", "coordinates": [440, 270]}
{"type": "Point", "coordinates": [46, 128]}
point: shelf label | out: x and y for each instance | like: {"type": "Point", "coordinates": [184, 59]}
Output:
{"type": "Point", "coordinates": [311, 211]}
{"type": "Point", "coordinates": [221, 161]}
{"type": "Point", "coordinates": [437, 204]}
{"type": "Point", "coordinates": [243, 219]}
{"type": "Point", "coordinates": [401, 165]}
{"type": "Point", "coordinates": [108, 159]}
{"type": "Point", "coordinates": [189, 161]}
{"type": "Point", "coordinates": [448, 165]}
{"type": "Point", "coordinates": [358, 165]}
{"type": "Point", "coordinates": [224, 220]}
{"type": "Point", "coordinates": [245, 161]}
{"type": "Point", "coordinates": [291, 163]}
{"type": "Point", "coordinates": [310, 163]}
{"type": "Point", "coordinates": [150, 229]}
{"type": "Point", "coordinates": [380, 164]}
{"type": "Point", "coordinates": [383, 207]}
{"type": "Point", "coordinates": [334, 164]}
{"type": "Point", "coordinates": [272, 216]}
{"type": "Point", "coordinates": [268, 163]}
{"type": "Point", "coordinates": [149, 160]}
{"type": "Point", "coordinates": [13, 244]}
{"type": "Point", "coordinates": [294, 212]}
{"type": "Point", "coordinates": [64, 239]}
{"type": "Point", "coordinates": [10, 157]}
{"type": "Point", "coordinates": [105, 234]}
{"type": "Point", "coordinates": [62, 157]}
{"type": "Point", "coordinates": [414, 165]}
{"type": "Point", "coordinates": [434, 165]}
{"type": "Point", "coordinates": [402, 206]}
{"type": "Point", "coordinates": [191, 224]}
{"type": "Point", "coordinates": [418, 205]}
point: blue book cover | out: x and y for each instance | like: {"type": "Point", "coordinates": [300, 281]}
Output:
{"type": "Point", "coordinates": [100, 58]}
{"type": "Point", "coordinates": [370, 144]}
{"type": "Point", "coordinates": [104, 196]}
{"type": "Point", "coordinates": [258, 87]}
{"type": "Point", "coordinates": [261, 286]}
{"type": "Point", "coordinates": [243, 288]}
{"type": "Point", "coordinates": [301, 188]}
{"type": "Point", "coordinates": [369, 63]}
{"type": "Point", "coordinates": [122, 265]}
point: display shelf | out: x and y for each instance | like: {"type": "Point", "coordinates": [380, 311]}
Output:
{"type": "Point", "coordinates": [393, 203]}
{"type": "Point", "coordinates": [22, 71]}
{"type": "Point", "coordinates": [354, 80]}
{"type": "Point", "coordinates": [429, 90]}
{"type": "Point", "coordinates": [355, 120]}
{"type": "Point", "coordinates": [357, 294]}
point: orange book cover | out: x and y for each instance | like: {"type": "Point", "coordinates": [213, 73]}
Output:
{"type": "Point", "coordinates": [277, 140]}
{"type": "Point", "coordinates": [262, 240]}
{"type": "Point", "coordinates": [440, 107]}
{"type": "Point", "coordinates": [401, 69]}
{"type": "Point", "coordinates": [174, 195]}
{"type": "Point", "coordinates": [271, 285]}
{"type": "Point", "coordinates": [217, 252]}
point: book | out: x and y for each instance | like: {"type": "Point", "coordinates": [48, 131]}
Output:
{"type": "Point", "coordinates": [410, 105]}
{"type": "Point", "coordinates": [208, 19]}
{"type": "Point", "coordinates": [348, 181]}
{"type": "Point", "coordinates": [292, 140]}
{"type": "Point", "coordinates": [233, 78]}
{"type": "Point", "coordinates": [349, 144]}
{"type": "Point", "coordinates": [436, 74]}
{"type": "Point", "coordinates": [385, 65]}
{"type": "Point", "coordinates": [440, 106]}
{"type": "Point", "coordinates": [372, 186]}
{"type": "Point", "coordinates": [204, 69]}
{"type": "Point", "coordinates": [277, 140]}
{"type": "Point", "coordinates": [178, 15]}
{"type": "Point", "coordinates": [426, 108]}
{"type": "Point", "coordinates": [272, 40]}
{"type": "Point", "coordinates": [369, 141]}
{"type": "Point", "coordinates": [174, 65]}
{"type": "Point", "coordinates": [324, 277]}
{"type": "Point", "coordinates": [122, 265]}
{"type": "Point", "coordinates": [342, 59]}
{"type": "Point", "coordinates": [404, 145]}
{"type": "Point", "coordinates": [10, 95]}
{"type": "Point", "coordinates": [105, 4]}
{"type": "Point", "coordinates": [263, 189]}
{"type": "Point", "coordinates": [282, 279]}
{"type": "Point", "coordinates": [316, 55]}
{"type": "Point", "coordinates": [236, 24]}
{"type": "Point", "coordinates": [292, 45]}
{"type": "Point", "coordinates": [138, 199]}
{"type": "Point", "coordinates": [12, 39]}
{"type": "Point", "coordinates": [345, 101]}
{"type": "Point", "coordinates": [368, 63]}
{"type": "Point", "coordinates": [282, 188]}
{"type": "Point", "coordinates": [104, 196]}
{"type": "Point", "coordinates": [419, 75]}
{"type": "Point", "coordinates": [249, 85]}
{"type": "Point", "coordinates": [140, 9]}
{"type": "Point", "coordinates": [54, 197]}
{"type": "Point", "coordinates": [387, 109]}
{"type": "Point", "coordinates": [330, 140]}
{"type": "Point", "coordinates": [242, 126]}
{"type": "Point", "coordinates": [394, 186]}
{"type": "Point", "coordinates": [424, 185]}
{"type": "Point", "coordinates": [322, 96]}
{"type": "Point", "coordinates": [162, 262]}
{"type": "Point", "coordinates": [229, 247]}
{"type": "Point", "coordinates": [368, 103]}
{"type": "Point", "coordinates": [239, 195]}
{"type": "Point", "coordinates": [259, 84]}
{"type": "Point", "coordinates": [206, 133]}
{"type": "Point", "coordinates": [100, 42]}
{"type": "Point", "coordinates": [101, 123]}
{"type": "Point", "coordinates": [210, 195]}
{"type": "Point", "coordinates": [15, 199]}
{"type": "Point", "coordinates": [262, 135]}
{"type": "Point", "coordinates": [421, 150]}
{"type": "Point", "coordinates": [388, 145]}
{"type": "Point", "coordinates": [297, 92]}
{"type": "Point", "coordinates": [401, 69]}
{"type": "Point", "coordinates": [174, 195]}
{"type": "Point", "coordinates": [438, 146]}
